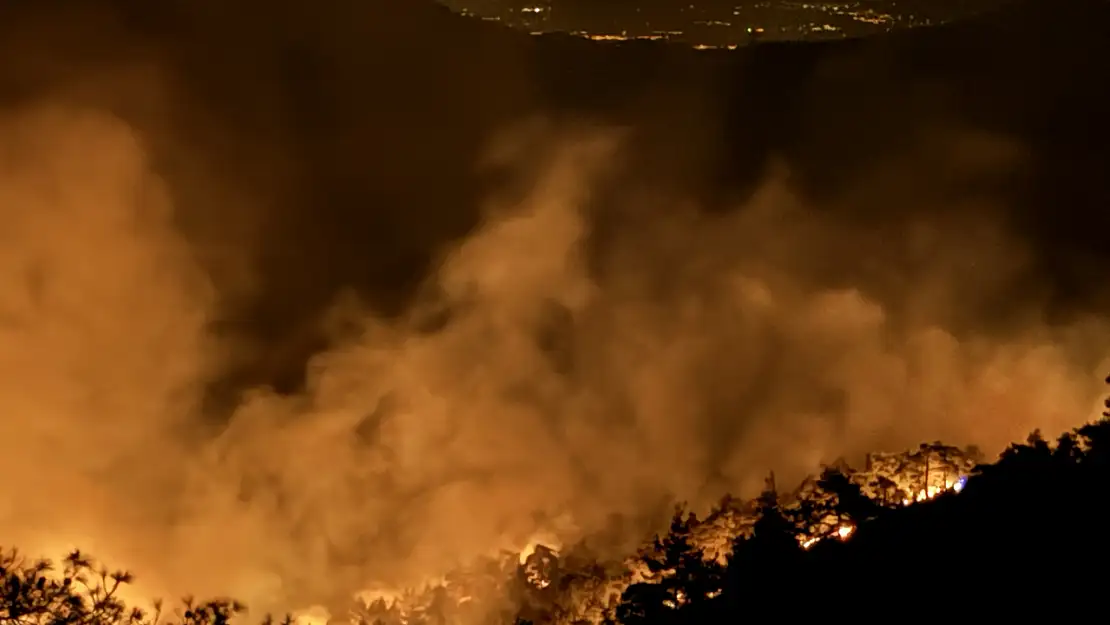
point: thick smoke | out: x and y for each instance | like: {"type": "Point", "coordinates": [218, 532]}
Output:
{"type": "Point", "coordinates": [103, 335]}
{"type": "Point", "coordinates": [593, 348]}
{"type": "Point", "coordinates": [689, 355]}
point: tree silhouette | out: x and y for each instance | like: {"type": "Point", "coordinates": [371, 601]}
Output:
{"type": "Point", "coordinates": [81, 593]}
{"type": "Point", "coordinates": [890, 494]}
{"type": "Point", "coordinates": [684, 580]}
{"type": "Point", "coordinates": [764, 562]}
{"type": "Point", "coordinates": [1096, 436]}
{"type": "Point", "coordinates": [1034, 518]}
{"type": "Point", "coordinates": [850, 505]}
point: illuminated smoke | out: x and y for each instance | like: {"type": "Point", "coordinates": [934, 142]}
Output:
{"type": "Point", "coordinates": [691, 349]}
{"type": "Point", "coordinates": [553, 374]}
{"type": "Point", "coordinates": [103, 338]}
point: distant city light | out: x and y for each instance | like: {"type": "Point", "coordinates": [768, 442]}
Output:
{"type": "Point", "coordinates": [715, 26]}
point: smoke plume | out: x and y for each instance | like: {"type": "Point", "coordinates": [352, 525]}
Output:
{"type": "Point", "coordinates": [593, 347]}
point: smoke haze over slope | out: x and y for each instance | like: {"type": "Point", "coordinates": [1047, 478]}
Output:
{"type": "Point", "coordinates": [595, 344]}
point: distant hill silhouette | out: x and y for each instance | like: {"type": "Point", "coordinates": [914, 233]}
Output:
{"type": "Point", "coordinates": [358, 124]}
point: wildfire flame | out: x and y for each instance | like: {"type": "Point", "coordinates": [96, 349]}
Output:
{"type": "Point", "coordinates": [538, 558]}
{"type": "Point", "coordinates": [845, 531]}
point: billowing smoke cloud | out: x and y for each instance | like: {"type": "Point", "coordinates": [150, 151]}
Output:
{"type": "Point", "coordinates": [545, 387]}
{"type": "Point", "coordinates": [103, 333]}
{"type": "Point", "coordinates": [593, 348]}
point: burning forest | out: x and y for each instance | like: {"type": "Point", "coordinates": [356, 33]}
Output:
{"type": "Point", "coordinates": [569, 586]}
{"type": "Point", "coordinates": [575, 585]}
{"type": "Point", "coordinates": [321, 304]}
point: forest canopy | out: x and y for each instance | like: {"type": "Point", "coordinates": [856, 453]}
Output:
{"type": "Point", "coordinates": [922, 523]}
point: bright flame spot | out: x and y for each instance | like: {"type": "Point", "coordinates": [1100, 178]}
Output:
{"type": "Point", "coordinates": [679, 599]}
{"type": "Point", "coordinates": [844, 532]}
{"type": "Point", "coordinates": [316, 615]}
{"type": "Point", "coordinates": [527, 552]}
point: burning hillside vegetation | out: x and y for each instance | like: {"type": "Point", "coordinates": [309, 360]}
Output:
{"type": "Point", "coordinates": [574, 587]}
